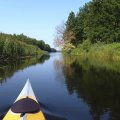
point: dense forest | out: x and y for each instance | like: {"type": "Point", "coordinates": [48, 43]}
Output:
{"type": "Point", "coordinates": [21, 45]}
{"type": "Point", "coordinates": [98, 21]}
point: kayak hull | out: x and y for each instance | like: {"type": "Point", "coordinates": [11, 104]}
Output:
{"type": "Point", "coordinates": [27, 91]}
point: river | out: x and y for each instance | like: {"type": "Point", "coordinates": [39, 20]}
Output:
{"type": "Point", "coordinates": [67, 87]}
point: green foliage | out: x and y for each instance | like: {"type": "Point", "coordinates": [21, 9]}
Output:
{"type": "Point", "coordinates": [21, 45]}
{"type": "Point", "coordinates": [13, 48]}
{"type": "Point", "coordinates": [69, 33]}
{"type": "Point", "coordinates": [98, 20]}
{"type": "Point", "coordinates": [99, 50]}
{"type": "Point", "coordinates": [70, 24]}
{"type": "Point", "coordinates": [83, 48]}
{"type": "Point", "coordinates": [86, 45]}
{"type": "Point", "coordinates": [68, 48]}
{"type": "Point", "coordinates": [39, 43]}
{"type": "Point", "coordinates": [53, 50]}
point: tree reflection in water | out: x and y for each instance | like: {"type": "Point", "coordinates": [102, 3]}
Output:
{"type": "Point", "coordinates": [9, 67]}
{"type": "Point", "coordinates": [97, 82]}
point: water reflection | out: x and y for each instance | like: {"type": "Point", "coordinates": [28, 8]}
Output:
{"type": "Point", "coordinates": [8, 68]}
{"type": "Point", "coordinates": [70, 87]}
{"type": "Point", "coordinates": [97, 82]}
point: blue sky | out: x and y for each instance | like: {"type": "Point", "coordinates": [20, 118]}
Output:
{"type": "Point", "coordinates": [36, 18]}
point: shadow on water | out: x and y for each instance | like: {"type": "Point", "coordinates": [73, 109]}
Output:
{"type": "Point", "coordinates": [9, 67]}
{"type": "Point", "coordinates": [97, 83]}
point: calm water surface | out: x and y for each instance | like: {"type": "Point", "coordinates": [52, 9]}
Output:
{"type": "Point", "coordinates": [67, 87]}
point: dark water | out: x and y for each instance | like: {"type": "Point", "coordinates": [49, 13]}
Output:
{"type": "Point", "coordinates": [67, 87]}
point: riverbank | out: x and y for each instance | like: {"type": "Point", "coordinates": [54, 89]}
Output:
{"type": "Point", "coordinates": [39, 54]}
{"type": "Point", "coordinates": [19, 46]}
{"type": "Point", "coordinates": [98, 50]}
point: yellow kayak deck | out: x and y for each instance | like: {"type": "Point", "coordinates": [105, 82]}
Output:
{"type": "Point", "coordinates": [12, 116]}
{"type": "Point", "coordinates": [26, 92]}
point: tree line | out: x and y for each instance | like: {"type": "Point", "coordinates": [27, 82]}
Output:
{"type": "Point", "coordinates": [21, 45]}
{"type": "Point", "coordinates": [96, 21]}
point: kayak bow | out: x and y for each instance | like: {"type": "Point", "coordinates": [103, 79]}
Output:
{"type": "Point", "coordinates": [26, 106]}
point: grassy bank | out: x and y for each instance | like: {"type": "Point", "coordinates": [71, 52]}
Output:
{"type": "Point", "coordinates": [14, 48]}
{"type": "Point", "coordinates": [98, 50]}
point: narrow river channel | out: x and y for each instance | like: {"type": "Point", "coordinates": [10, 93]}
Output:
{"type": "Point", "coordinates": [67, 87]}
